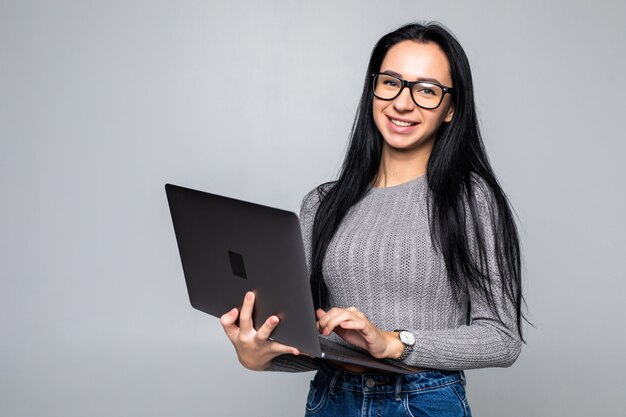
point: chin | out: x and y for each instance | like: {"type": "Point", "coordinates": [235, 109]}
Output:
{"type": "Point", "coordinates": [408, 144]}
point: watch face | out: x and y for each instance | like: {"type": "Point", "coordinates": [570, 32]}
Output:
{"type": "Point", "coordinates": [407, 338]}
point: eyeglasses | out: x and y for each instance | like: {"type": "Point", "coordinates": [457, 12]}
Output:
{"type": "Point", "coordinates": [425, 94]}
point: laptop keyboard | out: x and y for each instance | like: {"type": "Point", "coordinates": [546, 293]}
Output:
{"type": "Point", "coordinates": [336, 349]}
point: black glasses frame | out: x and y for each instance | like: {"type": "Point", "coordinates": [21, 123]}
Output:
{"type": "Point", "coordinates": [410, 84]}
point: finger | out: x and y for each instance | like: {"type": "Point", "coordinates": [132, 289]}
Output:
{"type": "Point", "coordinates": [324, 317]}
{"type": "Point", "coordinates": [228, 323]}
{"type": "Point", "coordinates": [356, 311]}
{"type": "Point", "coordinates": [268, 327]}
{"type": "Point", "coordinates": [245, 316]}
{"type": "Point", "coordinates": [352, 325]}
{"type": "Point", "coordinates": [279, 348]}
{"type": "Point", "coordinates": [363, 327]}
{"type": "Point", "coordinates": [319, 313]}
{"type": "Point", "coordinates": [333, 322]}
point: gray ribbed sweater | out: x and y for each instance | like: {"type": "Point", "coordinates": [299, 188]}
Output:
{"type": "Point", "coordinates": [382, 261]}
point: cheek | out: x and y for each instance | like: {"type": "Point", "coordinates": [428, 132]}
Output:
{"type": "Point", "coordinates": [436, 120]}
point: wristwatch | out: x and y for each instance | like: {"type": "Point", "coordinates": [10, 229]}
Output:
{"type": "Point", "coordinates": [408, 340]}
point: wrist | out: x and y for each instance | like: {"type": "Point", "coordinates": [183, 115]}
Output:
{"type": "Point", "coordinates": [395, 347]}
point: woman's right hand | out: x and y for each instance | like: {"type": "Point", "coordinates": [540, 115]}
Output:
{"type": "Point", "coordinates": [254, 350]}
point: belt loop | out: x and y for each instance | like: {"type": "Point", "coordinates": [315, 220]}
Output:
{"type": "Point", "coordinates": [333, 380]}
{"type": "Point", "coordinates": [399, 387]}
{"type": "Point", "coordinates": [462, 377]}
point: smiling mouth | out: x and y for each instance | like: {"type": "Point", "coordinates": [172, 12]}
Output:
{"type": "Point", "coordinates": [401, 123]}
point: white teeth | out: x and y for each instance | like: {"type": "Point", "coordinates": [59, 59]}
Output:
{"type": "Point", "coordinates": [400, 123]}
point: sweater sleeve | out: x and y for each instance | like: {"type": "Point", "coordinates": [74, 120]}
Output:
{"type": "Point", "coordinates": [486, 341]}
{"type": "Point", "coordinates": [301, 363]}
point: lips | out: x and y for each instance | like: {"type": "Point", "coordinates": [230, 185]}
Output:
{"type": "Point", "coordinates": [399, 125]}
{"type": "Point", "coordinates": [401, 122]}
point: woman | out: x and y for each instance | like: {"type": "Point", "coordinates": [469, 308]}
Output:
{"type": "Point", "coordinates": [413, 251]}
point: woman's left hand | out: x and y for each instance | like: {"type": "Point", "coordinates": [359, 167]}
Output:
{"type": "Point", "coordinates": [353, 327]}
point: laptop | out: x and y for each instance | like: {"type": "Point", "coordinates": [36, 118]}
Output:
{"type": "Point", "coordinates": [228, 247]}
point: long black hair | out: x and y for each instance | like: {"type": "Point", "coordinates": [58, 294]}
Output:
{"type": "Point", "coordinates": [458, 169]}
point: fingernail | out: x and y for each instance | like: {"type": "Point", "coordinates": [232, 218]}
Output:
{"type": "Point", "coordinates": [274, 320]}
{"type": "Point", "coordinates": [249, 296]}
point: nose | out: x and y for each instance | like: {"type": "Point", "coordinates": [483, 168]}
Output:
{"type": "Point", "coordinates": [404, 101]}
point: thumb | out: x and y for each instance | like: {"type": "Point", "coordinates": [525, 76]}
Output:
{"type": "Point", "coordinates": [228, 323]}
{"type": "Point", "coordinates": [284, 349]}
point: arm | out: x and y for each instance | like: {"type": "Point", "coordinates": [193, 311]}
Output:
{"type": "Point", "coordinates": [486, 341]}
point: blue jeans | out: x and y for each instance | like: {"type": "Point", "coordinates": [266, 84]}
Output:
{"type": "Point", "coordinates": [335, 392]}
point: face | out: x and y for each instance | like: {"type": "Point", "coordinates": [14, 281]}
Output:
{"type": "Point", "coordinates": [403, 125]}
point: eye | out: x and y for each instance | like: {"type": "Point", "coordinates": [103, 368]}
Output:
{"type": "Point", "coordinates": [391, 82]}
{"type": "Point", "coordinates": [427, 89]}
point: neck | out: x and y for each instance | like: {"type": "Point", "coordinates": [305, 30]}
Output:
{"type": "Point", "coordinates": [400, 166]}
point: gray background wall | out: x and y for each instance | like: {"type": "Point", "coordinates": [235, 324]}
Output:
{"type": "Point", "coordinates": [102, 102]}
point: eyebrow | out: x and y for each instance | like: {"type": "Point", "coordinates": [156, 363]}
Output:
{"type": "Point", "coordinates": [395, 74]}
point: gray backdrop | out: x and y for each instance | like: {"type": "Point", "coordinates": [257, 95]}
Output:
{"type": "Point", "coordinates": [102, 102]}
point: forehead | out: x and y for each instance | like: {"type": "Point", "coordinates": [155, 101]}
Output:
{"type": "Point", "coordinates": [414, 60]}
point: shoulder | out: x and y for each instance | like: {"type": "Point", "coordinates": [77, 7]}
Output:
{"type": "Point", "coordinates": [311, 200]}
{"type": "Point", "coordinates": [482, 211]}
{"type": "Point", "coordinates": [480, 188]}
{"type": "Point", "coordinates": [490, 211]}
{"type": "Point", "coordinates": [482, 194]}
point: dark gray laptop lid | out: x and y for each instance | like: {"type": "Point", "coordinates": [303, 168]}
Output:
{"type": "Point", "coordinates": [228, 246]}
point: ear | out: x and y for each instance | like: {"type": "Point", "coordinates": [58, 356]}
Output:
{"type": "Point", "coordinates": [449, 114]}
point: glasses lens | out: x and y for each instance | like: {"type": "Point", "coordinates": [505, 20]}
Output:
{"type": "Point", "coordinates": [427, 95]}
{"type": "Point", "coordinates": [386, 86]}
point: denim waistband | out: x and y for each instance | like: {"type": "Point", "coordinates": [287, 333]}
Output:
{"type": "Point", "coordinates": [384, 383]}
